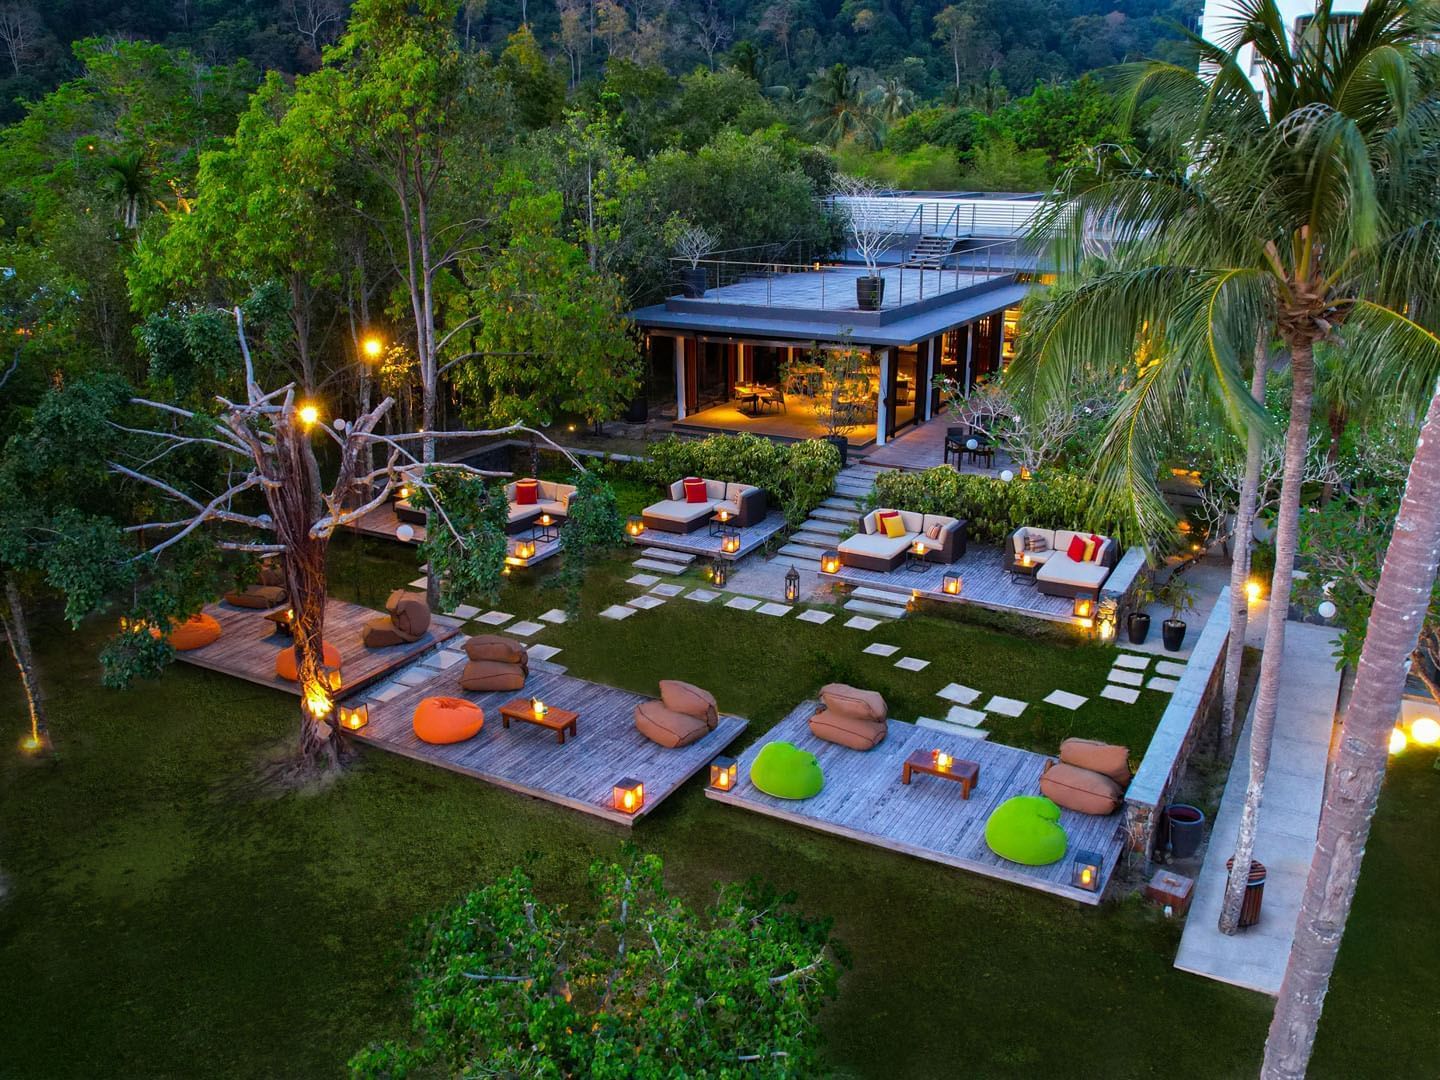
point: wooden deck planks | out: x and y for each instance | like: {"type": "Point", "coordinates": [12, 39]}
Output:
{"type": "Point", "coordinates": [864, 800]}
{"type": "Point", "coordinates": [247, 646]}
{"type": "Point", "coordinates": [382, 522]}
{"type": "Point", "coordinates": [701, 544]}
{"type": "Point", "coordinates": [527, 759]}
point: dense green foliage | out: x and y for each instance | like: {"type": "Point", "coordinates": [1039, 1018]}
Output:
{"type": "Point", "coordinates": [593, 526]}
{"type": "Point", "coordinates": [468, 570]}
{"type": "Point", "coordinates": [636, 985]}
{"type": "Point", "coordinates": [796, 476]}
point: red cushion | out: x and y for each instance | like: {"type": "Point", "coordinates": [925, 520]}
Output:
{"type": "Point", "coordinates": [1099, 542]}
{"type": "Point", "coordinates": [527, 492]}
{"type": "Point", "coordinates": [1077, 547]}
{"type": "Point", "coordinates": [695, 490]}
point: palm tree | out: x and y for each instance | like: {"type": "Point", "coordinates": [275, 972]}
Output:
{"type": "Point", "coordinates": [890, 99]}
{"type": "Point", "coordinates": [128, 176]}
{"type": "Point", "coordinates": [834, 108]}
{"type": "Point", "coordinates": [1301, 218]}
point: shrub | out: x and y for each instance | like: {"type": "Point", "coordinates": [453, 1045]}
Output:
{"type": "Point", "coordinates": [797, 476]}
{"type": "Point", "coordinates": [994, 508]}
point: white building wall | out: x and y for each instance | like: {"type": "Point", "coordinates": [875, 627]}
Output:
{"type": "Point", "coordinates": [1218, 20]}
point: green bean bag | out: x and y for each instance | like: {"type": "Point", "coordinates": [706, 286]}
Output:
{"type": "Point", "coordinates": [1026, 829]}
{"type": "Point", "coordinates": [787, 772]}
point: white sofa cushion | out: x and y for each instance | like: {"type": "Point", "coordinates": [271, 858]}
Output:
{"type": "Point", "coordinates": [1063, 570]}
{"type": "Point", "coordinates": [680, 510]}
{"type": "Point", "coordinates": [877, 544]}
{"type": "Point", "coordinates": [1030, 530]}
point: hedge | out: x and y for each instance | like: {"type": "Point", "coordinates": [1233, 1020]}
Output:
{"type": "Point", "coordinates": [798, 476]}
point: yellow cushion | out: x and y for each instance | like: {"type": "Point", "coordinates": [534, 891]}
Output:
{"type": "Point", "coordinates": [1091, 546]}
{"type": "Point", "coordinates": [893, 525]}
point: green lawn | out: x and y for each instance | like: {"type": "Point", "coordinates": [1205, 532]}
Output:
{"type": "Point", "coordinates": [165, 918]}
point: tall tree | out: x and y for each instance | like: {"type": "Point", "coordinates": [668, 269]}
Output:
{"type": "Point", "coordinates": [835, 109]}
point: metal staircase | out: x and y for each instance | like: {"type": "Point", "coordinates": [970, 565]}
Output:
{"type": "Point", "coordinates": [930, 252]}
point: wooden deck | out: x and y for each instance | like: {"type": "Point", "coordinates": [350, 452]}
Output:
{"type": "Point", "coordinates": [382, 522]}
{"type": "Point", "coordinates": [923, 447]}
{"type": "Point", "coordinates": [985, 581]}
{"type": "Point", "coordinates": [702, 545]}
{"type": "Point", "coordinates": [248, 645]}
{"type": "Point", "coordinates": [527, 759]}
{"type": "Point", "coordinates": [864, 800]}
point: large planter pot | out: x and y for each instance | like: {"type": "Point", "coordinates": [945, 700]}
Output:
{"type": "Point", "coordinates": [692, 282]}
{"type": "Point", "coordinates": [1186, 825]}
{"type": "Point", "coordinates": [639, 410]}
{"type": "Point", "coordinates": [1173, 633]}
{"type": "Point", "coordinates": [841, 444]}
{"type": "Point", "coordinates": [869, 293]}
{"type": "Point", "coordinates": [1138, 627]}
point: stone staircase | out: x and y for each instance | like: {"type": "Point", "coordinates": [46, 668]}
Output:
{"type": "Point", "coordinates": [930, 252]}
{"type": "Point", "coordinates": [833, 520]}
{"type": "Point", "coordinates": [663, 561]}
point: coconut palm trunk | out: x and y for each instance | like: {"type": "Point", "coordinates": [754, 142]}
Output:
{"type": "Point", "coordinates": [1267, 703]}
{"type": "Point", "coordinates": [12, 621]}
{"type": "Point", "coordinates": [1240, 561]}
{"type": "Point", "coordinates": [1402, 599]}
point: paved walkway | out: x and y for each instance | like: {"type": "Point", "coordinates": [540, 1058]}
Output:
{"type": "Point", "coordinates": [1256, 958]}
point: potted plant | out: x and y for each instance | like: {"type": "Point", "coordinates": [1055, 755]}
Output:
{"type": "Point", "coordinates": [693, 245]}
{"type": "Point", "coordinates": [1178, 596]}
{"type": "Point", "coordinates": [1137, 623]}
{"type": "Point", "coordinates": [871, 233]}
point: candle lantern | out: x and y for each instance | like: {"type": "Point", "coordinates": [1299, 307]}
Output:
{"type": "Point", "coordinates": [719, 571]}
{"type": "Point", "coordinates": [330, 679]}
{"type": "Point", "coordinates": [525, 550]}
{"type": "Point", "coordinates": [942, 760]}
{"type": "Point", "coordinates": [1084, 608]}
{"type": "Point", "coordinates": [830, 562]}
{"type": "Point", "coordinates": [1085, 871]}
{"type": "Point", "coordinates": [950, 584]}
{"type": "Point", "coordinates": [538, 707]}
{"type": "Point", "coordinates": [792, 585]}
{"type": "Point", "coordinates": [634, 526]}
{"type": "Point", "coordinates": [356, 718]}
{"type": "Point", "coordinates": [1107, 614]}
{"type": "Point", "coordinates": [628, 795]}
{"type": "Point", "coordinates": [730, 541]}
{"type": "Point", "coordinates": [724, 772]}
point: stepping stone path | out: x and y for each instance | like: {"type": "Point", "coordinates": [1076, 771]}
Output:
{"type": "Point", "coordinates": [645, 603]}
{"type": "Point", "coordinates": [643, 580]}
{"type": "Point", "coordinates": [542, 652]}
{"type": "Point", "coordinates": [818, 618]}
{"type": "Point", "coordinates": [961, 695]}
{"type": "Point", "coordinates": [412, 677]}
{"type": "Point", "coordinates": [774, 609]}
{"type": "Point", "coordinates": [663, 561]}
{"type": "Point", "coordinates": [495, 618]}
{"type": "Point", "coordinates": [1165, 686]}
{"type": "Point", "coordinates": [1125, 678]}
{"type": "Point", "coordinates": [524, 628]}
{"type": "Point", "coordinates": [617, 612]}
{"type": "Point", "coordinates": [959, 714]}
{"type": "Point", "coordinates": [1120, 693]}
{"type": "Point", "coordinates": [953, 729]}
{"type": "Point", "coordinates": [555, 615]}
{"type": "Point", "coordinates": [910, 663]}
{"type": "Point", "coordinates": [1130, 660]}
{"type": "Point", "coordinates": [390, 693]}
{"type": "Point", "coordinates": [860, 622]}
{"type": "Point", "coordinates": [1169, 667]}
{"type": "Point", "coordinates": [447, 659]}
{"type": "Point", "coordinates": [701, 596]}
{"type": "Point", "coordinates": [668, 590]}
{"type": "Point", "coordinates": [881, 650]}
{"type": "Point", "coordinates": [420, 583]}
{"type": "Point", "coordinates": [466, 612]}
{"type": "Point", "coordinates": [1005, 706]}
{"type": "Point", "coordinates": [742, 603]}
{"type": "Point", "coordinates": [1065, 700]}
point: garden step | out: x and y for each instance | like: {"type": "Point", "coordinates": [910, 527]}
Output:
{"type": "Point", "coordinates": [864, 592]}
{"type": "Point", "coordinates": [684, 558]}
{"type": "Point", "coordinates": [819, 541]}
{"type": "Point", "coordinates": [854, 491]}
{"type": "Point", "coordinates": [660, 566]}
{"type": "Point", "coordinates": [953, 729]}
{"type": "Point", "coordinates": [829, 526]}
{"type": "Point", "coordinates": [861, 470]}
{"type": "Point", "coordinates": [802, 558]}
{"type": "Point", "coordinates": [870, 607]}
{"type": "Point", "coordinates": [841, 517]}
{"type": "Point", "coordinates": [835, 503]}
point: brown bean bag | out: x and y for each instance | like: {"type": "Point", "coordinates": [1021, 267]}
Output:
{"type": "Point", "coordinates": [258, 597]}
{"type": "Point", "coordinates": [851, 701]}
{"type": "Point", "coordinates": [409, 612]}
{"type": "Point", "coordinates": [691, 700]}
{"type": "Point", "coordinates": [381, 633]}
{"type": "Point", "coordinates": [843, 729]}
{"type": "Point", "coordinates": [195, 633]}
{"type": "Point", "coordinates": [287, 662]}
{"type": "Point", "coordinates": [272, 576]}
{"type": "Point", "coordinates": [1107, 760]}
{"type": "Point", "coordinates": [482, 675]}
{"type": "Point", "coordinates": [494, 647]}
{"type": "Point", "coordinates": [443, 720]}
{"type": "Point", "coordinates": [1080, 789]}
{"type": "Point", "coordinates": [666, 726]}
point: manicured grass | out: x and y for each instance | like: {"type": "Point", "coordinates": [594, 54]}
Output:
{"type": "Point", "coordinates": [166, 918]}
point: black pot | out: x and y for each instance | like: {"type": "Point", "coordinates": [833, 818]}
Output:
{"type": "Point", "coordinates": [869, 293]}
{"type": "Point", "coordinates": [1187, 828]}
{"type": "Point", "coordinates": [1138, 627]}
{"type": "Point", "coordinates": [842, 444]}
{"type": "Point", "coordinates": [692, 282]}
{"type": "Point", "coordinates": [639, 410]}
{"type": "Point", "coordinates": [1173, 633]}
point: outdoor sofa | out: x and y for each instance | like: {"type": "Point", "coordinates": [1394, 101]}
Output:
{"type": "Point", "coordinates": [691, 507]}
{"type": "Point", "coordinates": [528, 499]}
{"type": "Point", "coordinates": [943, 540]}
{"type": "Point", "coordinates": [1060, 574]}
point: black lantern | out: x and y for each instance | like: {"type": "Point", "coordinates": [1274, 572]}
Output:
{"type": "Point", "coordinates": [1085, 871]}
{"type": "Point", "coordinates": [1084, 609]}
{"type": "Point", "coordinates": [724, 771]}
{"type": "Point", "coordinates": [950, 583]}
{"type": "Point", "coordinates": [730, 540]}
{"type": "Point", "coordinates": [792, 585]}
{"type": "Point", "coordinates": [830, 562]}
{"type": "Point", "coordinates": [718, 572]}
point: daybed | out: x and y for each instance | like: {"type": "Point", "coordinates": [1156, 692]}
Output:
{"type": "Point", "coordinates": [683, 715]}
{"type": "Point", "coordinates": [694, 501]}
{"type": "Point", "coordinates": [407, 621]}
{"type": "Point", "coordinates": [882, 548]}
{"type": "Point", "coordinates": [1061, 573]}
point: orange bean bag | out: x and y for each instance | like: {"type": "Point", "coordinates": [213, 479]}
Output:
{"type": "Point", "coordinates": [447, 720]}
{"type": "Point", "coordinates": [195, 633]}
{"type": "Point", "coordinates": [286, 661]}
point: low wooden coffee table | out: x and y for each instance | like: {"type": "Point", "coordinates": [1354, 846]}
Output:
{"type": "Point", "coordinates": [557, 720]}
{"type": "Point", "coordinates": [922, 761]}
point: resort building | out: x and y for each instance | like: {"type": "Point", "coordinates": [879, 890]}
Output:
{"type": "Point", "coordinates": [743, 339]}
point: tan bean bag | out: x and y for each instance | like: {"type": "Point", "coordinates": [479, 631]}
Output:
{"type": "Point", "coordinates": [494, 647]}
{"type": "Point", "coordinates": [407, 622]}
{"type": "Point", "coordinates": [272, 576]}
{"type": "Point", "coordinates": [667, 727]}
{"type": "Point", "coordinates": [850, 701]}
{"type": "Point", "coordinates": [1103, 758]}
{"type": "Point", "coordinates": [258, 597]}
{"type": "Point", "coordinates": [1080, 789]}
{"type": "Point", "coordinates": [691, 700]}
{"type": "Point", "coordinates": [381, 633]}
{"type": "Point", "coordinates": [483, 675]}
{"type": "Point", "coordinates": [858, 733]}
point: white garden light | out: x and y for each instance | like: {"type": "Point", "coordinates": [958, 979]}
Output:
{"type": "Point", "coordinates": [1006, 475]}
{"type": "Point", "coordinates": [405, 533]}
{"type": "Point", "coordinates": [1327, 609]}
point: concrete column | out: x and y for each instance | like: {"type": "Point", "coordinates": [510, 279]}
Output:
{"type": "Point", "coordinates": [969, 352]}
{"type": "Point", "coordinates": [680, 378]}
{"type": "Point", "coordinates": [882, 400]}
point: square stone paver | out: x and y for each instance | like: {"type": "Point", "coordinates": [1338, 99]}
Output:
{"type": "Point", "coordinates": [878, 649]}
{"type": "Point", "coordinates": [555, 615]}
{"type": "Point", "coordinates": [959, 714]}
{"type": "Point", "coordinates": [617, 612]}
{"type": "Point", "coordinates": [1169, 667]}
{"type": "Point", "coordinates": [1130, 660]}
{"type": "Point", "coordinates": [1005, 706]}
{"type": "Point", "coordinates": [524, 628]}
{"type": "Point", "coordinates": [542, 652]}
{"type": "Point", "coordinates": [466, 612]}
{"type": "Point", "coordinates": [961, 695]}
{"type": "Point", "coordinates": [447, 658]}
{"type": "Point", "coordinates": [389, 693]}
{"type": "Point", "coordinates": [774, 609]}
{"type": "Point", "coordinates": [1165, 686]}
{"type": "Point", "coordinates": [742, 603]}
{"type": "Point", "coordinates": [701, 596]}
{"type": "Point", "coordinates": [910, 663]}
{"type": "Point", "coordinates": [420, 583]}
{"type": "Point", "coordinates": [668, 588]}
{"type": "Point", "coordinates": [414, 676]}
{"type": "Point", "coordinates": [860, 622]}
{"type": "Point", "coordinates": [1065, 700]}
{"type": "Point", "coordinates": [495, 618]}
{"type": "Point", "coordinates": [645, 603]}
{"type": "Point", "coordinates": [643, 580]}
{"type": "Point", "coordinates": [1120, 693]}
{"type": "Point", "coordinates": [1125, 678]}
{"type": "Point", "coordinates": [819, 618]}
